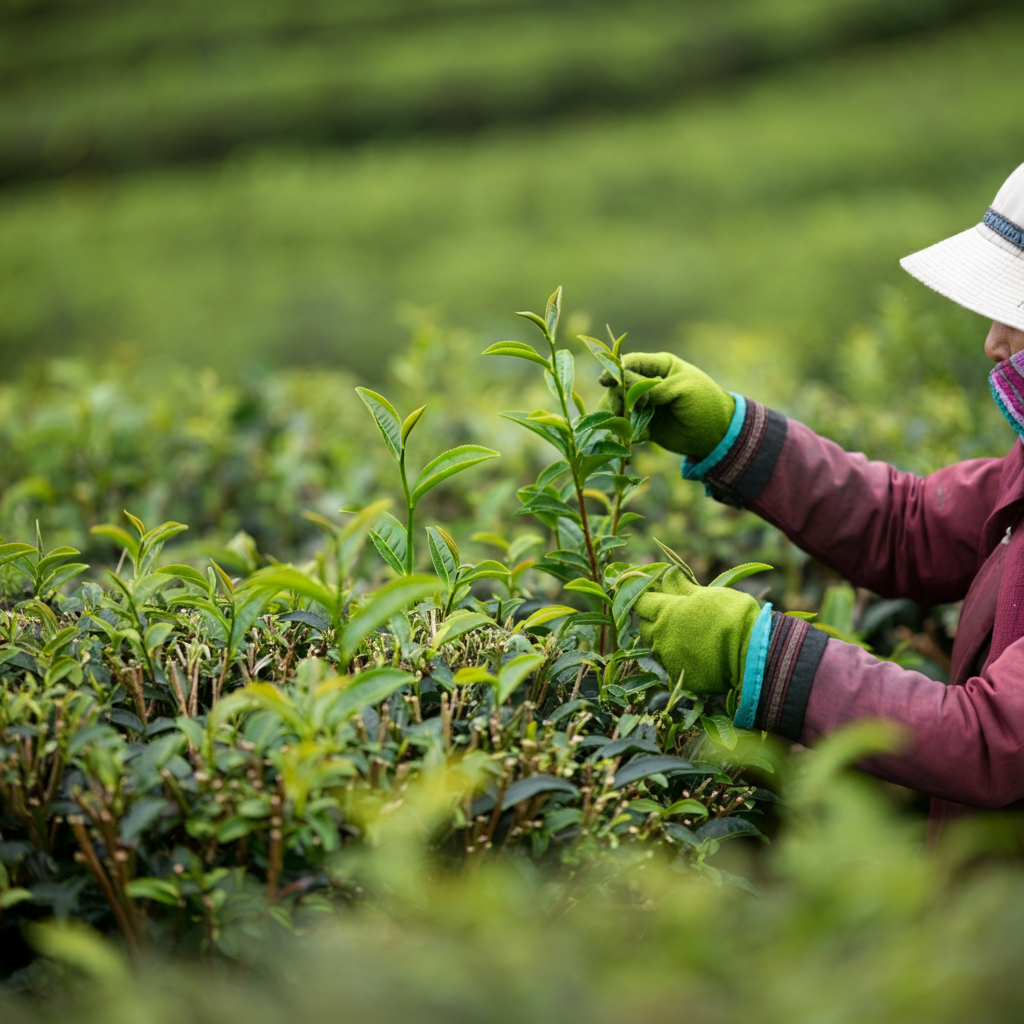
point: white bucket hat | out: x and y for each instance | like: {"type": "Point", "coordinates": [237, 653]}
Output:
{"type": "Point", "coordinates": [982, 268]}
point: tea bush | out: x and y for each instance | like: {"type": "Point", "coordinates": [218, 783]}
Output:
{"type": "Point", "coordinates": [188, 755]}
{"type": "Point", "coordinates": [211, 752]}
{"type": "Point", "coordinates": [853, 921]}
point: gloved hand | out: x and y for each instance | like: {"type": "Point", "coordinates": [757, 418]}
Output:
{"type": "Point", "coordinates": [702, 631]}
{"type": "Point", "coordinates": [692, 413]}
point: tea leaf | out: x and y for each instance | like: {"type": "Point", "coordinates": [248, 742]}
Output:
{"type": "Point", "coordinates": [60, 576]}
{"type": "Point", "coordinates": [448, 464]}
{"type": "Point", "coordinates": [457, 623]}
{"type": "Point", "coordinates": [186, 574]}
{"type": "Point", "coordinates": [410, 421]}
{"type": "Point", "coordinates": [137, 523]}
{"type": "Point", "coordinates": [544, 615]}
{"type": "Point", "coordinates": [565, 370]}
{"type": "Point", "coordinates": [518, 349]}
{"type": "Point", "coordinates": [720, 729]}
{"type": "Point", "coordinates": [284, 577]}
{"type": "Point", "coordinates": [384, 415]}
{"type": "Point", "coordinates": [473, 674]}
{"type": "Point", "coordinates": [549, 419]}
{"type": "Point", "coordinates": [588, 587]}
{"type": "Point", "coordinates": [446, 563]}
{"type": "Point", "coordinates": [677, 561]}
{"type": "Point", "coordinates": [550, 435]}
{"type": "Point", "coordinates": [688, 806]}
{"type": "Point", "coordinates": [229, 587]}
{"type": "Point", "coordinates": [598, 350]}
{"type": "Point", "coordinates": [370, 688]}
{"type": "Point", "coordinates": [552, 313]}
{"type": "Point", "coordinates": [571, 558]}
{"type": "Point", "coordinates": [449, 540]}
{"type": "Point", "coordinates": [739, 572]}
{"type": "Point", "coordinates": [514, 672]}
{"type": "Point", "coordinates": [121, 537]}
{"type": "Point", "coordinates": [527, 789]}
{"type": "Point", "coordinates": [310, 619]}
{"type": "Point", "coordinates": [488, 569]}
{"type": "Point", "coordinates": [594, 344]}
{"type": "Point", "coordinates": [639, 389]}
{"type": "Point", "coordinates": [725, 828]}
{"type": "Point", "coordinates": [546, 504]}
{"type": "Point", "coordinates": [392, 597]}
{"type": "Point", "coordinates": [629, 593]}
{"type": "Point", "coordinates": [8, 552]}
{"type": "Point", "coordinates": [644, 767]}
{"type": "Point", "coordinates": [591, 421]}
{"type": "Point", "coordinates": [539, 321]}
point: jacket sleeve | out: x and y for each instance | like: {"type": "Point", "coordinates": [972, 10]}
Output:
{"type": "Point", "coordinates": [895, 533]}
{"type": "Point", "coordinates": [961, 743]}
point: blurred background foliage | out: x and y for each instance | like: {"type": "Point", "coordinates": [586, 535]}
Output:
{"type": "Point", "coordinates": [268, 182]}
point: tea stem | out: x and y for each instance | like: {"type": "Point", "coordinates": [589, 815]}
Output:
{"type": "Point", "coordinates": [410, 510]}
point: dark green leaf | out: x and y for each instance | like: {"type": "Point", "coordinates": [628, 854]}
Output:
{"type": "Point", "coordinates": [725, 828]}
{"type": "Point", "coordinates": [643, 767]}
{"type": "Point", "coordinates": [526, 789]}
{"type": "Point", "coordinates": [616, 748]}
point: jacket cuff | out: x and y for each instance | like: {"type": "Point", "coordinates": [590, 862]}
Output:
{"type": "Point", "coordinates": [794, 652]}
{"type": "Point", "coordinates": [738, 469]}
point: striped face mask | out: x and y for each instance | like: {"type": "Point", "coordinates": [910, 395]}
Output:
{"type": "Point", "coordinates": [1007, 384]}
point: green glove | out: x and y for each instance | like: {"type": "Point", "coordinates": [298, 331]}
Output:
{"type": "Point", "coordinates": [692, 413]}
{"type": "Point", "coordinates": [701, 631]}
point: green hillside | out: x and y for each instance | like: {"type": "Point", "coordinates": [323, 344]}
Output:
{"type": "Point", "coordinates": [778, 200]}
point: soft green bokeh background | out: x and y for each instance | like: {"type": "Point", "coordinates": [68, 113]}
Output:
{"type": "Point", "coordinates": [230, 184]}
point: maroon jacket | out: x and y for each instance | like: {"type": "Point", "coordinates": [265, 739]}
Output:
{"type": "Point", "coordinates": [936, 539]}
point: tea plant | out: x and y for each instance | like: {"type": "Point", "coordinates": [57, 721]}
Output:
{"type": "Point", "coordinates": [398, 551]}
{"type": "Point", "coordinates": [191, 757]}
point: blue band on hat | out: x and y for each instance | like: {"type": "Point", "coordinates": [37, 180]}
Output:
{"type": "Point", "coordinates": [1013, 233]}
{"type": "Point", "coordinates": [696, 470]}
{"type": "Point", "coordinates": [753, 670]}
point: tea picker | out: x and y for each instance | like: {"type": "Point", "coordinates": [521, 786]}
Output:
{"type": "Point", "coordinates": [949, 536]}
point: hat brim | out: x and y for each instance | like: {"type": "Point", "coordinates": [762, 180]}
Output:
{"type": "Point", "coordinates": [975, 272]}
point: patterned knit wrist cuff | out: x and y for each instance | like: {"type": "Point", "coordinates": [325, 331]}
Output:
{"type": "Point", "coordinates": [736, 473]}
{"type": "Point", "coordinates": [794, 652]}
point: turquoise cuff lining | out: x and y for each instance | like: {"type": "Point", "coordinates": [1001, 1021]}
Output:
{"type": "Point", "coordinates": [696, 470]}
{"type": "Point", "coordinates": [753, 670]}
